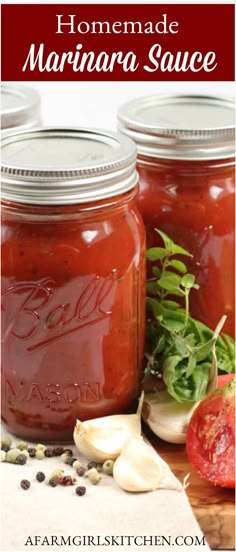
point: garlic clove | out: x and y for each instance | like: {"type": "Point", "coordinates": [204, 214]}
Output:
{"type": "Point", "coordinates": [139, 468]}
{"type": "Point", "coordinates": [167, 418]}
{"type": "Point", "coordinates": [103, 439]}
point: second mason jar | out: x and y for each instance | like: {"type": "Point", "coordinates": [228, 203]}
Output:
{"type": "Point", "coordinates": [186, 164]}
{"type": "Point", "coordinates": [73, 280]}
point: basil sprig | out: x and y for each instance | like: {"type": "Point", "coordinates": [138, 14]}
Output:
{"type": "Point", "coordinates": [178, 347]}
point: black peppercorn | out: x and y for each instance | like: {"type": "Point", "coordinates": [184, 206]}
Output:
{"type": "Point", "coordinates": [71, 460]}
{"type": "Point", "coordinates": [21, 459]}
{"type": "Point", "coordinates": [6, 448]}
{"type": "Point", "coordinates": [32, 452]}
{"type": "Point", "coordinates": [54, 481]}
{"type": "Point", "coordinates": [80, 471]}
{"type": "Point", "coordinates": [94, 465]}
{"type": "Point", "coordinates": [25, 484]}
{"type": "Point", "coordinates": [58, 450]}
{"type": "Point", "coordinates": [40, 476]}
{"type": "Point", "coordinates": [80, 491]}
{"type": "Point", "coordinates": [48, 452]}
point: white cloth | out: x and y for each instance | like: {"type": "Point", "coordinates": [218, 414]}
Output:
{"type": "Point", "coordinates": [104, 511]}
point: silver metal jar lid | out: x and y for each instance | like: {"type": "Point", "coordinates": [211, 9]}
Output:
{"type": "Point", "coordinates": [66, 166]}
{"type": "Point", "coordinates": [20, 106]}
{"type": "Point", "coordinates": [180, 127]}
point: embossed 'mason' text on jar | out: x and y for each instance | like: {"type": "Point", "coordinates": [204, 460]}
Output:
{"type": "Point", "coordinates": [186, 165]}
{"type": "Point", "coordinates": [73, 279]}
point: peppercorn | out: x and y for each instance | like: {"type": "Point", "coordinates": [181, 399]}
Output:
{"type": "Point", "coordinates": [6, 440]}
{"type": "Point", "coordinates": [39, 446]}
{"type": "Point", "coordinates": [80, 471]}
{"type": "Point", "coordinates": [54, 481]}
{"type": "Point", "coordinates": [39, 454]}
{"type": "Point", "coordinates": [40, 476]}
{"type": "Point", "coordinates": [93, 476]}
{"type": "Point", "coordinates": [58, 450]}
{"type": "Point", "coordinates": [21, 459]}
{"type": "Point", "coordinates": [2, 456]}
{"type": "Point", "coordinates": [77, 464]}
{"type": "Point", "coordinates": [57, 473]}
{"type": "Point", "coordinates": [5, 448]}
{"type": "Point", "coordinates": [71, 460]}
{"type": "Point", "coordinates": [80, 491]}
{"type": "Point", "coordinates": [32, 452]}
{"type": "Point", "coordinates": [22, 445]}
{"type": "Point", "coordinates": [12, 455]}
{"type": "Point", "coordinates": [67, 480]}
{"type": "Point", "coordinates": [107, 467]}
{"type": "Point", "coordinates": [25, 484]}
{"type": "Point", "coordinates": [92, 465]}
{"type": "Point", "coordinates": [48, 452]}
{"type": "Point", "coordinates": [65, 457]}
{"type": "Point", "coordinates": [68, 451]}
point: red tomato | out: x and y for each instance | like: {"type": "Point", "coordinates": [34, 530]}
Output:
{"type": "Point", "coordinates": [224, 379]}
{"type": "Point", "coordinates": [210, 440]}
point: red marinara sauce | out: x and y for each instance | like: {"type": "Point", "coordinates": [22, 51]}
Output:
{"type": "Point", "coordinates": [73, 280]}
{"type": "Point", "coordinates": [186, 165]}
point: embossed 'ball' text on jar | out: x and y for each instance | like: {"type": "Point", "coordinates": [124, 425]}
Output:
{"type": "Point", "coordinates": [186, 165]}
{"type": "Point", "coordinates": [73, 280]}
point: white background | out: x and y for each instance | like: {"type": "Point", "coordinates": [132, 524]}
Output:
{"type": "Point", "coordinates": [95, 104]}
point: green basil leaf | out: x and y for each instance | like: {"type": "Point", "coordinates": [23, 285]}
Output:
{"type": "Point", "coordinates": [156, 271]}
{"type": "Point", "coordinates": [171, 284]}
{"type": "Point", "coordinates": [188, 281]}
{"type": "Point", "coordinates": [173, 325]}
{"type": "Point", "coordinates": [167, 241]}
{"type": "Point", "coordinates": [202, 351]}
{"type": "Point", "coordinates": [172, 305]}
{"type": "Point", "coordinates": [156, 253]}
{"type": "Point", "coordinates": [176, 249]}
{"type": "Point", "coordinates": [178, 265]}
{"type": "Point", "coordinates": [152, 288]}
{"type": "Point", "coordinates": [155, 306]}
{"type": "Point", "coordinates": [191, 366]}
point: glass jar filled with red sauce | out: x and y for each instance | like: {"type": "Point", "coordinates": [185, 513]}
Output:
{"type": "Point", "coordinates": [20, 107]}
{"type": "Point", "coordinates": [186, 165]}
{"type": "Point", "coordinates": [73, 280]}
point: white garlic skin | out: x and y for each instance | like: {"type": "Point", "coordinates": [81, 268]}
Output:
{"type": "Point", "coordinates": [140, 469]}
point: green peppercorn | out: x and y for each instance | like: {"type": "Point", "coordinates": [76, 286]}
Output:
{"type": "Point", "coordinates": [93, 476]}
{"type": "Point", "coordinates": [2, 456]}
{"type": "Point", "coordinates": [57, 473]}
{"type": "Point", "coordinates": [107, 467]}
{"type": "Point", "coordinates": [21, 459]}
{"type": "Point", "coordinates": [80, 491]}
{"type": "Point", "coordinates": [54, 481]}
{"type": "Point", "coordinates": [40, 476]}
{"type": "Point", "coordinates": [32, 452]}
{"type": "Point", "coordinates": [12, 455]}
{"type": "Point", "coordinates": [39, 454]}
{"type": "Point", "coordinates": [25, 484]}
{"type": "Point", "coordinates": [22, 445]}
{"type": "Point", "coordinates": [39, 446]}
{"type": "Point", "coordinates": [6, 440]}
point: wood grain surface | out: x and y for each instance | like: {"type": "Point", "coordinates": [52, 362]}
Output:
{"type": "Point", "coordinates": [214, 507]}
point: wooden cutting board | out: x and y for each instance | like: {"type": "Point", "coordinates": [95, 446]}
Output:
{"type": "Point", "coordinates": [214, 507]}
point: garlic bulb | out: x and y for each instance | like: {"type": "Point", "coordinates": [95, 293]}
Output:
{"type": "Point", "coordinates": [166, 417]}
{"type": "Point", "coordinates": [103, 439]}
{"type": "Point", "coordinates": [139, 468]}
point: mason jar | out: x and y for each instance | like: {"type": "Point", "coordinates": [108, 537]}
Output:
{"type": "Point", "coordinates": [73, 280]}
{"type": "Point", "coordinates": [186, 165]}
{"type": "Point", "coordinates": [20, 107]}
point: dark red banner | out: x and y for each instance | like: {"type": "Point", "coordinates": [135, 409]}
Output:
{"type": "Point", "coordinates": [150, 42]}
